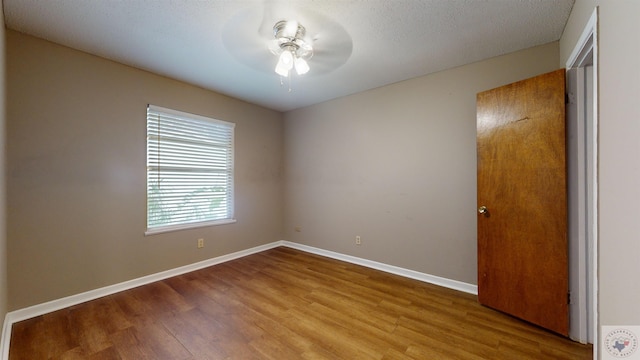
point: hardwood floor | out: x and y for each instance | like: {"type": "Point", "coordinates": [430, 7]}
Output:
{"type": "Point", "coordinates": [286, 304]}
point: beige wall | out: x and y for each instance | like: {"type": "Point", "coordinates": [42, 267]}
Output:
{"type": "Point", "coordinates": [619, 152]}
{"type": "Point", "coordinates": [76, 173]}
{"type": "Point", "coordinates": [397, 166]}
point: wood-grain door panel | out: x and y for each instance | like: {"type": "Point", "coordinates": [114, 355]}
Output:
{"type": "Point", "coordinates": [522, 237]}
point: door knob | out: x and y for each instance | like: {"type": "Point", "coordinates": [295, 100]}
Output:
{"type": "Point", "coordinates": [482, 209]}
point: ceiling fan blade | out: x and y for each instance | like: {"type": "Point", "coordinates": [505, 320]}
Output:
{"type": "Point", "coordinates": [266, 24]}
{"type": "Point", "coordinates": [332, 47]}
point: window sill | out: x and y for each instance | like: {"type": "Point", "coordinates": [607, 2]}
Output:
{"type": "Point", "coordinates": [170, 228]}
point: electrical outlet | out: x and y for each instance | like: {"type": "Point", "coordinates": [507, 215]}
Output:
{"type": "Point", "coordinates": [200, 243]}
{"type": "Point", "coordinates": [358, 240]}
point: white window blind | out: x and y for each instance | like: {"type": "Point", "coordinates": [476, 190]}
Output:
{"type": "Point", "coordinates": [189, 170]}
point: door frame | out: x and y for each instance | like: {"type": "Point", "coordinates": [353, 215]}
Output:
{"type": "Point", "coordinates": [582, 77]}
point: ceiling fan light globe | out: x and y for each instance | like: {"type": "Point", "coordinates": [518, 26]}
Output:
{"type": "Point", "coordinates": [281, 71]}
{"type": "Point", "coordinates": [302, 67]}
{"type": "Point", "coordinates": [286, 59]}
{"type": "Point", "coordinates": [285, 63]}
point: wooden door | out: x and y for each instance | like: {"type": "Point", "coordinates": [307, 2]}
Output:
{"type": "Point", "coordinates": [522, 234]}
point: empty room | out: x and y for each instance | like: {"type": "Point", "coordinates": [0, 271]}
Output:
{"type": "Point", "coordinates": [320, 179]}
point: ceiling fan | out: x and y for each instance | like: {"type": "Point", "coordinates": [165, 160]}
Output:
{"type": "Point", "coordinates": [281, 38]}
{"type": "Point", "coordinates": [291, 47]}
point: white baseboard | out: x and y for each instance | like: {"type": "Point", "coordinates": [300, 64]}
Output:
{"type": "Point", "coordinates": [432, 279]}
{"type": "Point", "coordinates": [54, 305]}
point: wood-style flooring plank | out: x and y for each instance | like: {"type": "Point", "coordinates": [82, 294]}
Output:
{"type": "Point", "coordinates": [286, 304]}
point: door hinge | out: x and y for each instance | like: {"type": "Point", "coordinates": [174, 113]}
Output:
{"type": "Point", "coordinates": [569, 298]}
{"type": "Point", "coordinates": [566, 98]}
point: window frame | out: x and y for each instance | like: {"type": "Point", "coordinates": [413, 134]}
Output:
{"type": "Point", "coordinates": [230, 189]}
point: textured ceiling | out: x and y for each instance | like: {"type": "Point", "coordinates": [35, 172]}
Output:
{"type": "Point", "coordinates": [222, 44]}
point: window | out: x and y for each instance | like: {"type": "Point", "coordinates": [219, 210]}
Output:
{"type": "Point", "coordinates": [189, 170]}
